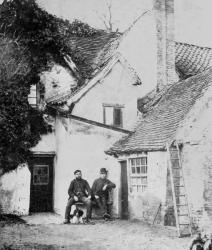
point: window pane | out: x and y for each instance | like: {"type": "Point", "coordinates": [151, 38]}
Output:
{"type": "Point", "coordinates": [40, 174]}
{"type": "Point", "coordinates": [143, 160]}
{"type": "Point", "coordinates": [138, 161]}
{"type": "Point", "coordinates": [133, 170]}
{"type": "Point", "coordinates": [117, 117]}
{"type": "Point", "coordinates": [144, 180]}
{"type": "Point", "coordinates": [133, 181]}
{"type": "Point", "coordinates": [32, 97]}
{"type": "Point", "coordinates": [143, 169]}
{"type": "Point", "coordinates": [132, 162]}
{"type": "Point", "coordinates": [138, 169]}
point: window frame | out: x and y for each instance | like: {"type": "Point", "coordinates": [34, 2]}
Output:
{"type": "Point", "coordinates": [33, 89]}
{"type": "Point", "coordinates": [37, 167]}
{"type": "Point", "coordinates": [114, 107]}
{"type": "Point", "coordinates": [143, 185]}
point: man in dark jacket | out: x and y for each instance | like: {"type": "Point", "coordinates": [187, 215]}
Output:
{"type": "Point", "coordinates": [79, 191]}
{"type": "Point", "coordinates": [100, 190]}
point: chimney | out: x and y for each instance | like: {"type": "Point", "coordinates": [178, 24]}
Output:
{"type": "Point", "coordinates": [164, 15]}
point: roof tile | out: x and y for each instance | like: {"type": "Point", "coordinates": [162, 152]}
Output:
{"type": "Point", "coordinates": [161, 122]}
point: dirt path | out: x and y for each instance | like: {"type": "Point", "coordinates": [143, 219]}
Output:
{"type": "Point", "coordinates": [115, 235]}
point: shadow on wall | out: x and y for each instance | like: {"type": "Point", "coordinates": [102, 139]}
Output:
{"type": "Point", "coordinates": [169, 217]}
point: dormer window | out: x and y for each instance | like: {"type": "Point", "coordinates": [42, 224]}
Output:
{"type": "Point", "coordinates": [113, 115]}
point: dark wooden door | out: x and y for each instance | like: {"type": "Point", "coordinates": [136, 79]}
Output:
{"type": "Point", "coordinates": [41, 193]}
{"type": "Point", "coordinates": [124, 191]}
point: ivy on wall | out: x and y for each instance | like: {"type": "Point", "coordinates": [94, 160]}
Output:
{"type": "Point", "coordinates": [30, 40]}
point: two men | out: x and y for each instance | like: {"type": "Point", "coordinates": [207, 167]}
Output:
{"type": "Point", "coordinates": [80, 191]}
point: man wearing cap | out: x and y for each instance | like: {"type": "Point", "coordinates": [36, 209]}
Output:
{"type": "Point", "coordinates": [100, 190]}
{"type": "Point", "coordinates": [79, 191]}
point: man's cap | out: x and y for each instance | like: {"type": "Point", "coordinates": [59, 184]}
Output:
{"type": "Point", "coordinates": [103, 171]}
{"type": "Point", "coordinates": [77, 171]}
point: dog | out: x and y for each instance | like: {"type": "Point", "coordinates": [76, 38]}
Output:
{"type": "Point", "coordinates": [208, 244]}
{"type": "Point", "coordinates": [76, 216]}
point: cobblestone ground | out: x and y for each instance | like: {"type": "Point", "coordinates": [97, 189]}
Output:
{"type": "Point", "coordinates": [45, 231]}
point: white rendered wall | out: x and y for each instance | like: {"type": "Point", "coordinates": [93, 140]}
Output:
{"type": "Point", "coordinates": [15, 191]}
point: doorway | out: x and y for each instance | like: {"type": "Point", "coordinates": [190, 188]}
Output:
{"type": "Point", "coordinates": [124, 191]}
{"type": "Point", "coordinates": [41, 190]}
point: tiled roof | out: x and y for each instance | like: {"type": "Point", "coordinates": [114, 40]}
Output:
{"type": "Point", "coordinates": [191, 59]}
{"type": "Point", "coordinates": [159, 125]}
{"type": "Point", "coordinates": [95, 50]}
{"type": "Point", "coordinates": [98, 49]}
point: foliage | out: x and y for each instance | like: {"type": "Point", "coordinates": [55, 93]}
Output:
{"type": "Point", "coordinates": [30, 40]}
{"type": "Point", "coordinates": [20, 124]}
{"type": "Point", "coordinates": [46, 36]}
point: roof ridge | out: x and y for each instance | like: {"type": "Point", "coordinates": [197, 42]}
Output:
{"type": "Point", "coordinates": [194, 45]}
{"type": "Point", "coordinates": [134, 22]}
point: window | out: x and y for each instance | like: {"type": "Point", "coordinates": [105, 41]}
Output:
{"type": "Point", "coordinates": [32, 97]}
{"type": "Point", "coordinates": [113, 115]}
{"type": "Point", "coordinates": [138, 173]}
{"type": "Point", "coordinates": [40, 174]}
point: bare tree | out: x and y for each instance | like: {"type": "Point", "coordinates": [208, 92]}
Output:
{"type": "Point", "coordinates": [107, 17]}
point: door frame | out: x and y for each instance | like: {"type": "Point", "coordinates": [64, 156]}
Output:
{"type": "Point", "coordinates": [127, 189]}
{"type": "Point", "coordinates": [43, 155]}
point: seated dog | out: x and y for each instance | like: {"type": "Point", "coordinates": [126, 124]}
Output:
{"type": "Point", "coordinates": [76, 216]}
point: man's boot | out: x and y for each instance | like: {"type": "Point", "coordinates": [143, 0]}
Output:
{"type": "Point", "coordinates": [66, 221]}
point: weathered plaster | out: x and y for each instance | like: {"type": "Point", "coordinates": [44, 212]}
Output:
{"type": "Point", "coordinates": [144, 205]}
{"type": "Point", "coordinates": [196, 135]}
{"type": "Point", "coordinates": [116, 88]}
{"type": "Point", "coordinates": [82, 147]}
{"type": "Point", "coordinates": [15, 191]}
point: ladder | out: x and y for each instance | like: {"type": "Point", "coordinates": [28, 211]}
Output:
{"type": "Point", "coordinates": [179, 195]}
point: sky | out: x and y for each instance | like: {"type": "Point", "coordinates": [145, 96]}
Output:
{"type": "Point", "coordinates": [193, 18]}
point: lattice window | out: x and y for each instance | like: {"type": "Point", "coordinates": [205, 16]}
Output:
{"type": "Point", "coordinates": [40, 174]}
{"type": "Point", "coordinates": [138, 174]}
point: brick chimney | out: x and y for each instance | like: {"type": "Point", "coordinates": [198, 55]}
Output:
{"type": "Point", "coordinates": [164, 15]}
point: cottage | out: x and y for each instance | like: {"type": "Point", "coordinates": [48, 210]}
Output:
{"type": "Point", "coordinates": [93, 112]}
{"type": "Point", "coordinates": [181, 115]}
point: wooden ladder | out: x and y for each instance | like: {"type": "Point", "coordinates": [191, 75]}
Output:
{"type": "Point", "coordinates": [180, 200]}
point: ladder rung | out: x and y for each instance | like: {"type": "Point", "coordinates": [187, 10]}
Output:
{"type": "Point", "coordinates": [184, 224]}
{"type": "Point", "coordinates": [179, 186]}
{"type": "Point", "coordinates": [177, 176]}
{"type": "Point", "coordinates": [178, 195]}
{"type": "Point", "coordinates": [181, 205]}
{"type": "Point", "coordinates": [174, 158]}
{"type": "Point", "coordinates": [176, 168]}
{"type": "Point", "coordinates": [183, 214]}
